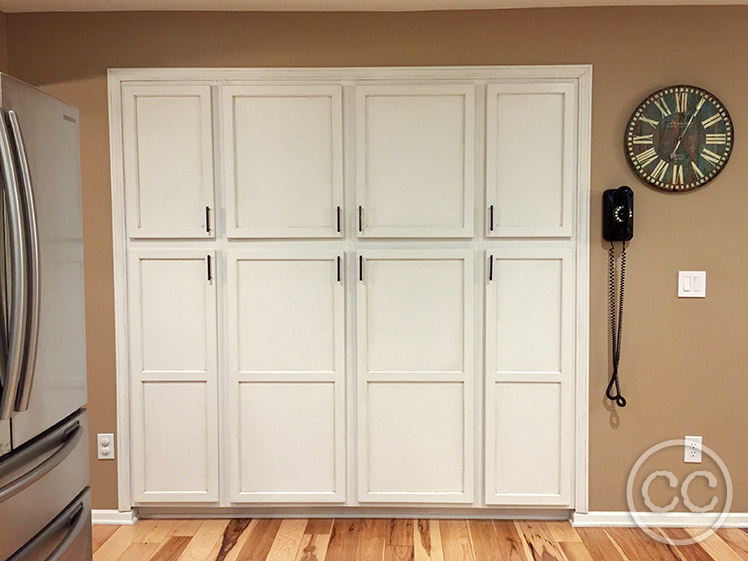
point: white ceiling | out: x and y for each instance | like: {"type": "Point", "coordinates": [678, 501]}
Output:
{"type": "Point", "coordinates": [321, 5]}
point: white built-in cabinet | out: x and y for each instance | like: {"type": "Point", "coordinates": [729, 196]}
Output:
{"type": "Point", "coordinates": [174, 385]}
{"type": "Point", "coordinates": [350, 290]}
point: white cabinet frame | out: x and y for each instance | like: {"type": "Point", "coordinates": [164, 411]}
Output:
{"type": "Point", "coordinates": [577, 76]}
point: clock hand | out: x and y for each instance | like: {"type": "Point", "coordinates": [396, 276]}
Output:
{"type": "Point", "coordinates": [682, 136]}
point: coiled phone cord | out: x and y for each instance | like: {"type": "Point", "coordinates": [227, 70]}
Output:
{"type": "Point", "coordinates": [616, 327]}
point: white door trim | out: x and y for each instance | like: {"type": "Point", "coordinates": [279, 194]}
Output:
{"type": "Point", "coordinates": [581, 74]}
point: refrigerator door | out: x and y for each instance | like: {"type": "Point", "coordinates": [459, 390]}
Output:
{"type": "Point", "coordinates": [54, 384]}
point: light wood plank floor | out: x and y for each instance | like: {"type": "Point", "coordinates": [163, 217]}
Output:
{"type": "Point", "coordinates": [399, 540]}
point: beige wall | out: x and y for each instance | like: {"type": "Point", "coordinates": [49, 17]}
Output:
{"type": "Point", "coordinates": [684, 362]}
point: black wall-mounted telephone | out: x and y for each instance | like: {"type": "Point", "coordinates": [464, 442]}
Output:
{"type": "Point", "coordinates": [618, 226]}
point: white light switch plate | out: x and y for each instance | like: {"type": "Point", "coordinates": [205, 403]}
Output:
{"type": "Point", "coordinates": [691, 284]}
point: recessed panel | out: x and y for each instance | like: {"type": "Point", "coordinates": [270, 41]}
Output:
{"type": "Point", "coordinates": [416, 438]}
{"type": "Point", "coordinates": [174, 314]}
{"type": "Point", "coordinates": [528, 314]}
{"type": "Point", "coordinates": [175, 437]}
{"type": "Point", "coordinates": [528, 438]}
{"type": "Point", "coordinates": [415, 315]}
{"type": "Point", "coordinates": [286, 166]}
{"type": "Point", "coordinates": [286, 315]}
{"type": "Point", "coordinates": [287, 441]}
{"type": "Point", "coordinates": [415, 168]}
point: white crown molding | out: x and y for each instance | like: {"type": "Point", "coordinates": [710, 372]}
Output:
{"type": "Point", "coordinates": [652, 519]}
{"type": "Point", "coordinates": [113, 517]}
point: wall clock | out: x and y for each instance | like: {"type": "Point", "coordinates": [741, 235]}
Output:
{"type": "Point", "coordinates": [679, 138]}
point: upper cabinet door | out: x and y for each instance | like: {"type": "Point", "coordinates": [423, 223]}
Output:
{"type": "Point", "coordinates": [531, 159]}
{"type": "Point", "coordinates": [283, 161]}
{"type": "Point", "coordinates": [415, 161]}
{"type": "Point", "coordinates": [168, 160]}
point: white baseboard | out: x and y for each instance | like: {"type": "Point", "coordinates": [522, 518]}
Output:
{"type": "Point", "coordinates": [114, 517]}
{"type": "Point", "coordinates": [656, 519]}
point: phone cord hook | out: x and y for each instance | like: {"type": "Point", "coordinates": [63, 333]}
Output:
{"type": "Point", "coordinates": [616, 327]}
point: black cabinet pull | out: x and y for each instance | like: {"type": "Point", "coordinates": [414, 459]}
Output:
{"type": "Point", "coordinates": [490, 218]}
{"type": "Point", "coordinates": [338, 219]}
{"type": "Point", "coordinates": [210, 269]}
{"type": "Point", "coordinates": [360, 218]}
{"type": "Point", "coordinates": [361, 268]}
{"type": "Point", "coordinates": [490, 268]}
{"type": "Point", "coordinates": [339, 260]}
{"type": "Point", "coordinates": [207, 219]}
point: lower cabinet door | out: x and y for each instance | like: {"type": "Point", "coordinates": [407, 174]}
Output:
{"type": "Point", "coordinates": [529, 377]}
{"type": "Point", "coordinates": [173, 372]}
{"type": "Point", "coordinates": [286, 329]}
{"type": "Point", "coordinates": [415, 376]}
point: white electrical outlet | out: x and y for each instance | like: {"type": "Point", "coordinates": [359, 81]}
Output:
{"type": "Point", "coordinates": [106, 446]}
{"type": "Point", "coordinates": [692, 450]}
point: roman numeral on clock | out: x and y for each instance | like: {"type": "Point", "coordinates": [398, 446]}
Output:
{"type": "Point", "coordinates": [649, 121]}
{"type": "Point", "coordinates": [677, 174]}
{"type": "Point", "coordinates": [643, 139]}
{"type": "Point", "coordinates": [663, 107]}
{"type": "Point", "coordinates": [647, 157]}
{"type": "Point", "coordinates": [681, 102]}
{"type": "Point", "coordinates": [713, 120]}
{"type": "Point", "coordinates": [716, 138]}
{"type": "Point", "coordinates": [660, 170]}
{"type": "Point", "coordinates": [710, 156]}
{"type": "Point", "coordinates": [696, 170]}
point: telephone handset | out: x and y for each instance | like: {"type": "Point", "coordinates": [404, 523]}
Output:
{"type": "Point", "coordinates": [618, 226]}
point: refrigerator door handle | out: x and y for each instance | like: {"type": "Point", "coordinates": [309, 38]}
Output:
{"type": "Point", "coordinates": [73, 517]}
{"type": "Point", "coordinates": [18, 290]}
{"type": "Point", "coordinates": [71, 438]}
{"type": "Point", "coordinates": [33, 266]}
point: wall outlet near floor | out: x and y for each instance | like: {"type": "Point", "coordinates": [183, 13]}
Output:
{"type": "Point", "coordinates": [105, 443]}
{"type": "Point", "coordinates": [692, 450]}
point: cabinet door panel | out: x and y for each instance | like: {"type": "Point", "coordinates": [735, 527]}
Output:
{"type": "Point", "coordinates": [288, 441]}
{"type": "Point", "coordinates": [530, 159]}
{"type": "Point", "coordinates": [173, 376]}
{"type": "Point", "coordinates": [286, 359]}
{"type": "Point", "coordinates": [415, 160]}
{"type": "Point", "coordinates": [283, 160]}
{"type": "Point", "coordinates": [415, 376]}
{"type": "Point", "coordinates": [529, 377]}
{"type": "Point", "coordinates": [168, 160]}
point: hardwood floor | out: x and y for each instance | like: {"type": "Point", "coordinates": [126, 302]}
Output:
{"type": "Point", "coordinates": [399, 540]}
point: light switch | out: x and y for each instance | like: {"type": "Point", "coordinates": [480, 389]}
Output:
{"type": "Point", "coordinates": [691, 284]}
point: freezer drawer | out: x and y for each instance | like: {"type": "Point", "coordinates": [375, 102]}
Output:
{"type": "Point", "coordinates": [40, 480]}
{"type": "Point", "coordinates": [66, 538]}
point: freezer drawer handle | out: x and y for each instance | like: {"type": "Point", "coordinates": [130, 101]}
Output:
{"type": "Point", "coordinates": [73, 517]}
{"type": "Point", "coordinates": [33, 267]}
{"type": "Point", "coordinates": [70, 440]}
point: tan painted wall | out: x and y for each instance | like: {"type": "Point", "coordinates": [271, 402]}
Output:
{"type": "Point", "coordinates": [3, 43]}
{"type": "Point", "coordinates": [677, 354]}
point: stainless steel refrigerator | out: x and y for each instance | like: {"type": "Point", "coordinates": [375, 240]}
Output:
{"type": "Point", "coordinates": [45, 506]}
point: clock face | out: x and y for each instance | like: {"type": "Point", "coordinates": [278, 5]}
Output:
{"type": "Point", "coordinates": [679, 138]}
